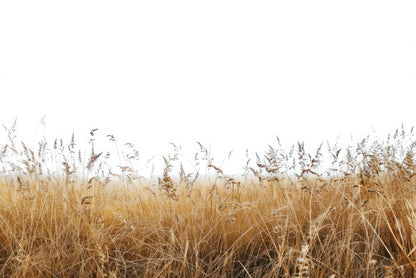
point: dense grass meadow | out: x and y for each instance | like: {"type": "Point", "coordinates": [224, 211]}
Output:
{"type": "Point", "coordinates": [336, 211]}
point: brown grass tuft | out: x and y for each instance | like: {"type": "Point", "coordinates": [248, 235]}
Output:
{"type": "Point", "coordinates": [288, 216]}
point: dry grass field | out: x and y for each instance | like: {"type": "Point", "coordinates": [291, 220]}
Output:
{"type": "Point", "coordinates": [67, 213]}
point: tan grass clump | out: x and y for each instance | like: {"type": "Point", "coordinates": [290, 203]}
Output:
{"type": "Point", "coordinates": [63, 215]}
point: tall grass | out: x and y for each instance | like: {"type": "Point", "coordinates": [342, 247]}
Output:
{"type": "Point", "coordinates": [66, 212]}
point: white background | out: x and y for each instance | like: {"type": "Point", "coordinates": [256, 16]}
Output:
{"type": "Point", "coordinates": [233, 74]}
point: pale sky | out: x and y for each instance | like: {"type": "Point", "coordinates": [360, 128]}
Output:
{"type": "Point", "coordinates": [231, 73]}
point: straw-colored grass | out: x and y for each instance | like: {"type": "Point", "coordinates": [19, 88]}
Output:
{"type": "Point", "coordinates": [267, 224]}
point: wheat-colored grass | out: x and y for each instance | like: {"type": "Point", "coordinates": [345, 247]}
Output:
{"type": "Point", "coordinates": [357, 222]}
